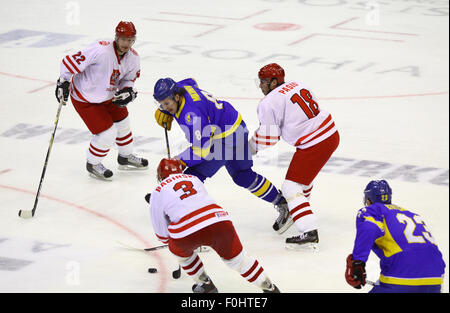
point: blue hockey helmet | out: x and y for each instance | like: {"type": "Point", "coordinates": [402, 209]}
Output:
{"type": "Point", "coordinates": [378, 191]}
{"type": "Point", "coordinates": [164, 87]}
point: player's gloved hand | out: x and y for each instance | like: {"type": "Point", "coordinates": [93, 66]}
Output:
{"type": "Point", "coordinates": [124, 96]}
{"type": "Point", "coordinates": [355, 273]}
{"type": "Point", "coordinates": [162, 117]}
{"type": "Point", "coordinates": [62, 90]}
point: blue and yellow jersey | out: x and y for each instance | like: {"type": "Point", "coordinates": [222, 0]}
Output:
{"type": "Point", "coordinates": [408, 253]}
{"type": "Point", "coordinates": [203, 119]}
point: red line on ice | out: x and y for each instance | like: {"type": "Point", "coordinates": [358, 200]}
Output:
{"type": "Point", "coordinates": [162, 281]}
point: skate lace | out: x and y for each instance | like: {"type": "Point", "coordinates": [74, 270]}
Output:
{"type": "Point", "coordinates": [133, 158]}
{"type": "Point", "coordinates": [100, 168]}
{"type": "Point", "coordinates": [283, 212]}
{"type": "Point", "coordinates": [302, 236]}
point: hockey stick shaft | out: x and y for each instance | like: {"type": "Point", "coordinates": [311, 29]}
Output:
{"type": "Point", "coordinates": [167, 140]}
{"type": "Point", "coordinates": [143, 249]}
{"type": "Point", "coordinates": [28, 214]}
{"type": "Point", "coordinates": [176, 273]}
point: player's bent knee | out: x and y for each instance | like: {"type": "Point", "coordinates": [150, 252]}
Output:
{"type": "Point", "coordinates": [106, 138]}
{"type": "Point", "coordinates": [290, 188]}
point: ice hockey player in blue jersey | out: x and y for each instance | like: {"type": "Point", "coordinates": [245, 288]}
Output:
{"type": "Point", "coordinates": [218, 137]}
{"type": "Point", "coordinates": [410, 260]}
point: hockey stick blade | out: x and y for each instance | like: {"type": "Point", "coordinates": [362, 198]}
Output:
{"type": "Point", "coordinates": [26, 213]}
{"type": "Point", "coordinates": [141, 249]}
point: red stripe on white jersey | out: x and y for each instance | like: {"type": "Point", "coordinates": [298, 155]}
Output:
{"type": "Point", "coordinates": [73, 65]}
{"type": "Point", "coordinates": [79, 95]}
{"type": "Point", "coordinates": [266, 143]}
{"type": "Point", "coordinates": [267, 137]}
{"type": "Point", "coordinates": [197, 220]}
{"type": "Point", "coordinates": [325, 122]}
{"type": "Point", "coordinates": [163, 239]}
{"type": "Point", "coordinates": [67, 66]}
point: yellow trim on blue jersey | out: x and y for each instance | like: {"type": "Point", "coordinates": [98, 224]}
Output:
{"type": "Point", "coordinates": [231, 130]}
{"type": "Point", "coordinates": [201, 152]}
{"type": "Point", "coordinates": [263, 189]}
{"type": "Point", "coordinates": [387, 243]}
{"type": "Point", "coordinates": [183, 101]}
{"type": "Point", "coordinates": [371, 219]}
{"type": "Point", "coordinates": [194, 95]}
{"type": "Point", "coordinates": [411, 281]}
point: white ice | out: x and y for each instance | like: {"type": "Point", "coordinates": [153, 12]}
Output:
{"type": "Point", "coordinates": [380, 68]}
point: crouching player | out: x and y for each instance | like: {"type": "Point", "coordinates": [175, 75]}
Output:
{"type": "Point", "coordinates": [185, 217]}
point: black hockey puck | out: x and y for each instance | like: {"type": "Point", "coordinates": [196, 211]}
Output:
{"type": "Point", "coordinates": [176, 274]}
{"type": "Point", "coordinates": [152, 270]}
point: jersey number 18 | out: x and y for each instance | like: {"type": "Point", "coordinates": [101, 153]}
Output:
{"type": "Point", "coordinates": [307, 104]}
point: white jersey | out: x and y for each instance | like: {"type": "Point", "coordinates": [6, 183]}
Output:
{"type": "Point", "coordinates": [98, 72]}
{"type": "Point", "coordinates": [180, 206]}
{"type": "Point", "coordinates": [291, 112]}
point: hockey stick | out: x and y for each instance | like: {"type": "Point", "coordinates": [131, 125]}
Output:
{"type": "Point", "coordinates": [167, 140]}
{"type": "Point", "coordinates": [177, 273]}
{"type": "Point", "coordinates": [142, 249]}
{"type": "Point", "coordinates": [30, 213]}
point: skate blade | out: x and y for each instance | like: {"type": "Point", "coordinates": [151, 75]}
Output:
{"type": "Point", "coordinates": [286, 226]}
{"type": "Point", "coordinates": [310, 247]}
{"type": "Point", "coordinates": [100, 177]}
{"type": "Point", "coordinates": [131, 168]}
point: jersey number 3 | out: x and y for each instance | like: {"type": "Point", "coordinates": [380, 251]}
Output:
{"type": "Point", "coordinates": [187, 187]}
{"type": "Point", "coordinates": [307, 104]}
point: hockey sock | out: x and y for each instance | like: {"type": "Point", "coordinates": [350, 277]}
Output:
{"type": "Point", "coordinates": [248, 267]}
{"type": "Point", "coordinates": [193, 266]}
{"type": "Point", "coordinates": [264, 189]}
{"type": "Point", "coordinates": [307, 191]}
{"type": "Point", "coordinates": [100, 145]}
{"type": "Point", "coordinates": [299, 207]}
{"type": "Point", "coordinates": [124, 139]}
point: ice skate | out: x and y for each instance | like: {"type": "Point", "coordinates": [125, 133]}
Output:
{"type": "Point", "coordinates": [308, 240]}
{"type": "Point", "coordinates": [284, 220]}
{"type": "Point", "coordinates": [268, 287]}
{"type": "Point", "coordinates": [99, 171]}
{"type": "Point", "coordinates": [132, 162]}
{"type": "Point", "coordinates": [205, 287]}
{"type": "Point", "coordinates": [273, 289]}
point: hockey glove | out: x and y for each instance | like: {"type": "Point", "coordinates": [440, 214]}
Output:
{"type": "Point", "coordinates": [62, 90]}
{"type": "Point", "coordinates": [355, 273]}
{"type": "Point", "coordinates": [125, 96]}
{"type": "Point", "coordinates": [147, 197]}
{"type": "Point", "coordinates": [162, 117]}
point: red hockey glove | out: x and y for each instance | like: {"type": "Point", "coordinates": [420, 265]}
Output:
{"type": "Point", "coordinates": [355, 273]}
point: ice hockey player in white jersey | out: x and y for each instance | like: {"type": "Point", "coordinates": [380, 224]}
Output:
{"type": "Point", "coordinates": [290, 111]}
{"type": "Point", "coordinates": [185, 217]}
{"type": "Point", "coordinates": [100, 81]}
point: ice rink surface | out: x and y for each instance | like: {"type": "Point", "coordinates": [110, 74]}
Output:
{"type": "Point", "coordinates": [379, 67]}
